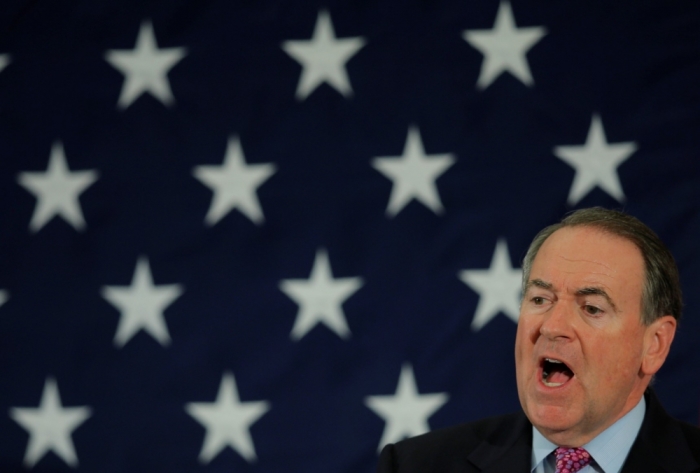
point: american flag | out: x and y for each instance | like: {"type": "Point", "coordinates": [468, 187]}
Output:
{"type": "Point", "coordinates": [273, 236]}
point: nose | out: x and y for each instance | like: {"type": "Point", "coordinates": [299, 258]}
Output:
{"type": "Point", "coordinates": [556, 324]}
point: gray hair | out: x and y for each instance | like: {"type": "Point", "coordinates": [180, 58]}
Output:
{"type": "Point", "coordinates": [661, 293]}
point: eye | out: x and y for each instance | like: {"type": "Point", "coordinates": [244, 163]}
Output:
{"type": "Point", "coordinates": [537, 300]}
{"type": "Point", "coordinates": [592, 310]}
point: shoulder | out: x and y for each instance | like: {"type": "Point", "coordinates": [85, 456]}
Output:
{"type": "Point", "coordinates": [664, 443]}
{"type": "Point", "coordinates": [449, 448]}
{"type": "Point", "coordinates": [460, 436]}
{"type": "Point", "coordinates": [667, 432]}
{"type": "Point", "coordinates": [692, 437]}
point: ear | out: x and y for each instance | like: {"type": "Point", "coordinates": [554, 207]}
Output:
{"type": "Point", "coordinates": [657, 343]}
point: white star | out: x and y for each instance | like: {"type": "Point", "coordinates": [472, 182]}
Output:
{"type": "Point", "coordinates": [498, 287]}
{"type": "Point", "coordinates": [406, 413]}
{"type": "Point", "coordinates": [320, 298]}
{"type": "Point", "coordinates": [5, 60]}
{"type": "Point", "coordinates": [504, 47]}
{"type": "Point", "coordinates": [145, 67]}
{"type": "Point", "coordinates": [227, 421]}
{"type": "Point", "coordinates": [50, 426]}
{"type": "Point", "coordinates": [414, 174]}
{"type": "Point", "coordinates": [323, 58]}
{"type": "Point", "coordinates": [57, 190]}
{"type": "Point", "coordinates": [234, 184]}
{"type": "Point", "coordinates": [596, 163]}
{"type": "Point", "coordinates": [142, 305]}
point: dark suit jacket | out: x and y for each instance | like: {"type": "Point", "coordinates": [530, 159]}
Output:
{"type": "Point", "coordinates": [504, 445]}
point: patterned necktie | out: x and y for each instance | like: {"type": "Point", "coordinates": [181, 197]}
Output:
{"type": "Point", "coordinates": [571, 460]}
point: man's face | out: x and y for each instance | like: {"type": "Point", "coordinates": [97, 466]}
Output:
{"type": "Point", "coordinates": [580, 341]}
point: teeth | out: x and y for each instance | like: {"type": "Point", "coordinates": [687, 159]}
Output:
{"type": "Point", "coordinates": [553, 361]}
{"type": "Point", "coordinates": [552, 385]}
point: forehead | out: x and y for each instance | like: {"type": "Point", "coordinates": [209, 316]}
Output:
{"type": "Point", "coordinates": [588, 256]}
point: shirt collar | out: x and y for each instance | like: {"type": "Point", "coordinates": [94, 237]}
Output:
{"type": "Point", "coordinates": [609, 449]}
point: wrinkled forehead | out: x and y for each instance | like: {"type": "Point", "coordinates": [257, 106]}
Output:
{"type": "Point", "coordinates": [589, 256]}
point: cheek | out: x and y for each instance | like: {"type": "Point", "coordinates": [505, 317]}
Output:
{"type": "Point", "coordinates": [520, 341]}
{"type": "Point", "coordinates": [528, 331]}
{"type": "Point", "coordinates": [523, 349]}
{"type": "Point", "coordinates": [615, 361]}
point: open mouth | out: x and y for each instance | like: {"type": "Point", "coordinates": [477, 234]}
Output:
{"type": "Point", "coordinates": [555, 372]}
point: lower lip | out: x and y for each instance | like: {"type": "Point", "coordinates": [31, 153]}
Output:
{"type": "Point", "coordinates": [546, 388]}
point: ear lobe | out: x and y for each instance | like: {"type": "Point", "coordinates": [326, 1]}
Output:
{"type": "Point", "coordinates": [657, 343]}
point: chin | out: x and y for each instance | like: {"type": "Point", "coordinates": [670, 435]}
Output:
{"type": "Point", "coordinates": [550, 418]}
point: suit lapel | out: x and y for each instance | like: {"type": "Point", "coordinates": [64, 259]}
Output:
{"type": "Point", "coordinates": [506, 452]}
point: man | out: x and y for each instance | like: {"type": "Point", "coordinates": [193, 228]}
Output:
{"type": "Point", "coordinates": [601, 303]}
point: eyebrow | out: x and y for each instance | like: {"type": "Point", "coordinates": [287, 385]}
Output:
{"type": "Point", "coordinates": [585, 291]}
{"type": "Point", "coordinates": [538, 283]}
{"type": "Point", "coordinates": [596, 291]}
